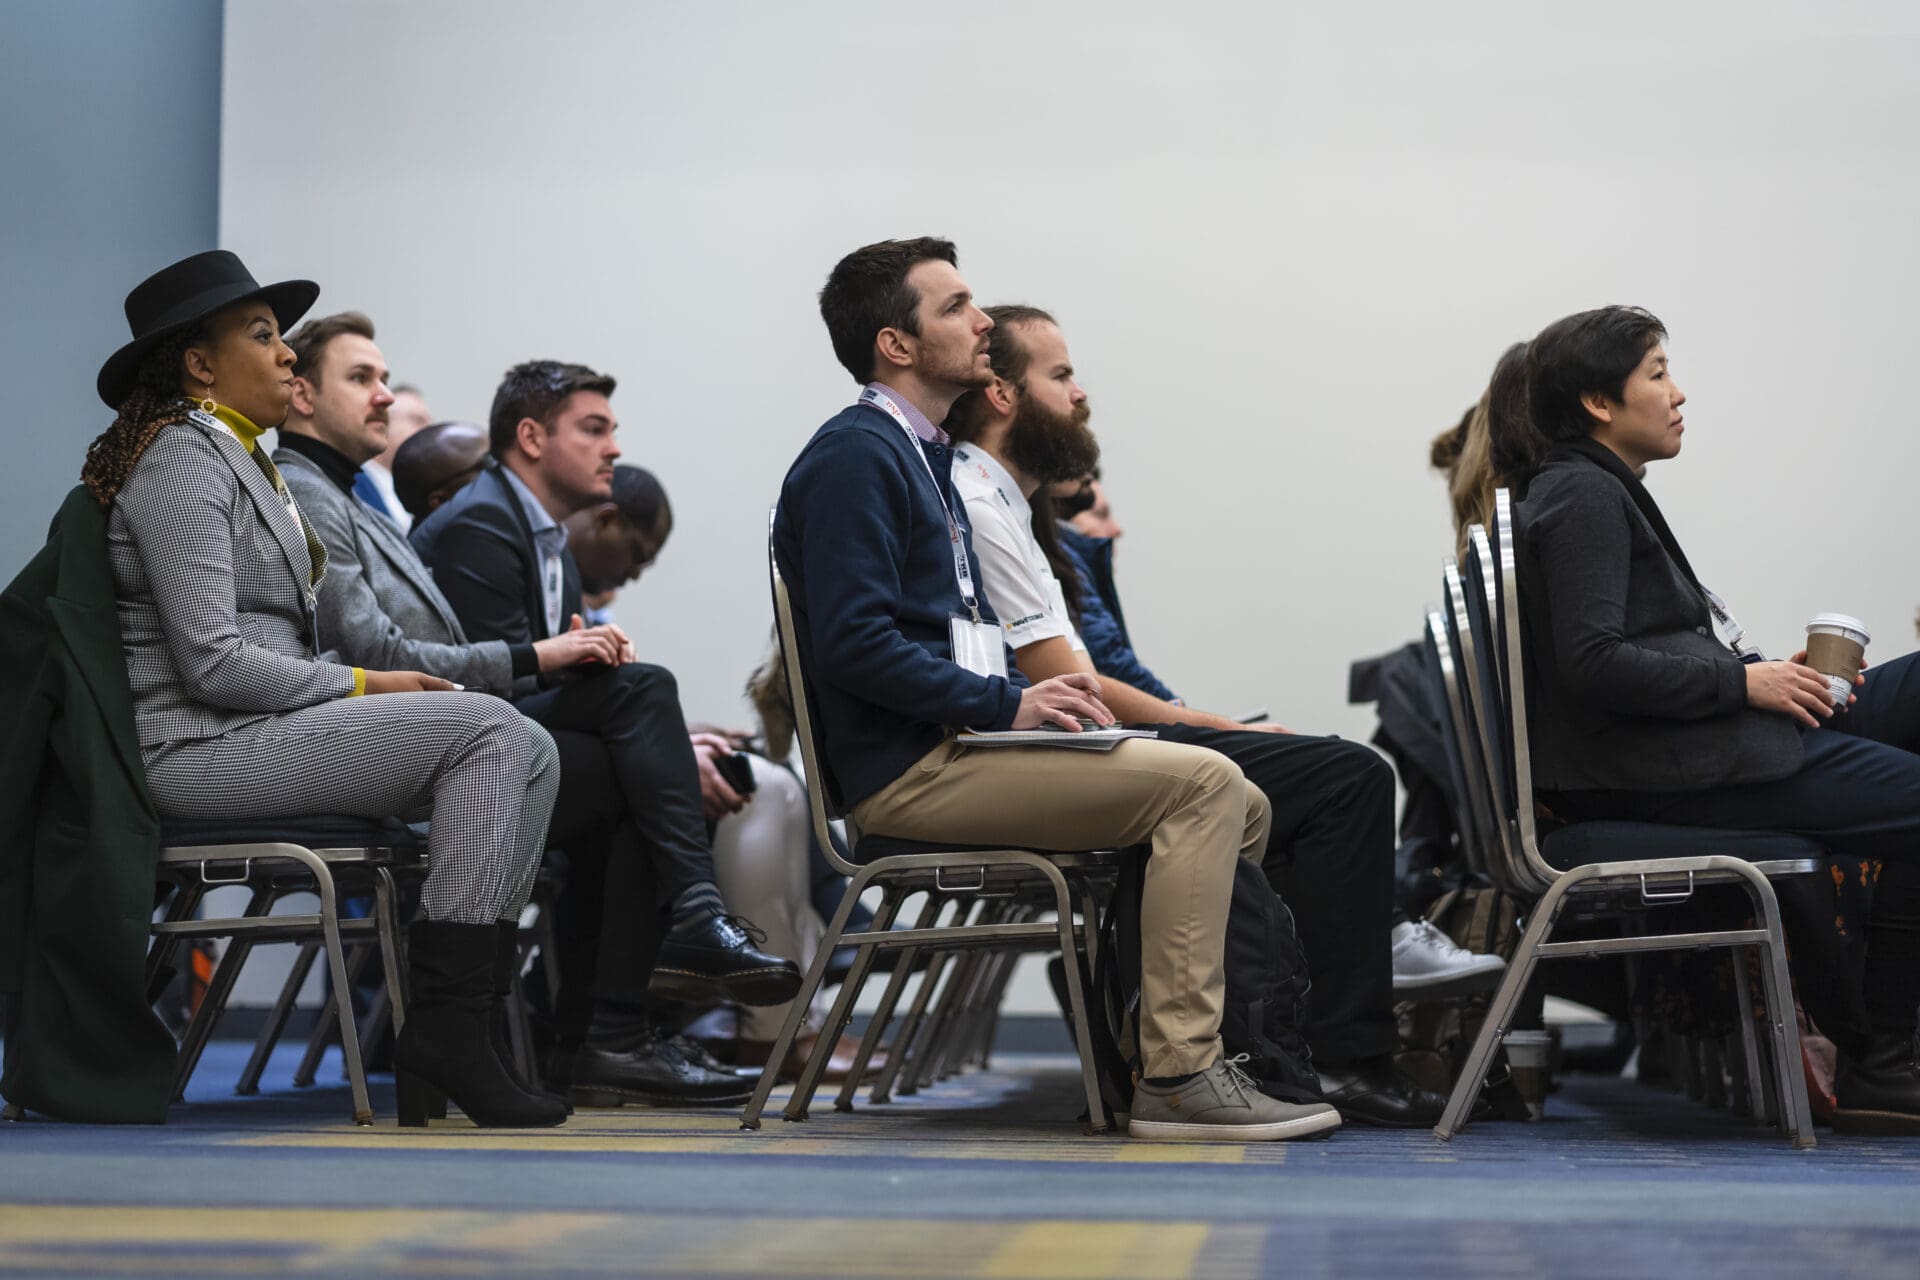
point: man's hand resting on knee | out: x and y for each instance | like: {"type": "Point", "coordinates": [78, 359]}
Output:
{"type": "Point", "coordinates": [1065, 701]}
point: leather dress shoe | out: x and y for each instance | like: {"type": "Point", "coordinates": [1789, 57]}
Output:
{"type": "Point", "coordinates": [656, 1071]}
{"type": "Point", "coordinates": [1373, 1092]}
{"type": "Point", "coordinates": [715, 959]}
{"type": "Point", "coordinates": [1880, 1092]}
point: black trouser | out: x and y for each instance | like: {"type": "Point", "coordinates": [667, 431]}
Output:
{"type": "Point", "coordinates": [630, 817]}
{"type": "Point", "coordinates": [1856, 793]}
{"type": "Point", "coordinates": [634, 709]}
{"type": "Point", "coordinates": [1330, 856]}
{"type": "Point", "coordinates": [607, 922]}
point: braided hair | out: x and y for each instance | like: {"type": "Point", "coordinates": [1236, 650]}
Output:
{"type": "Point", "coordinates": [156, 402]}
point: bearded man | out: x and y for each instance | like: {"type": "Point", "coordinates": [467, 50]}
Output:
{"type": "Point", "coordinates": [1330, 851]}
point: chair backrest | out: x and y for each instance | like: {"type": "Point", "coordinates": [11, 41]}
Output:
{"type": "Point", "coordinates": [1508, 579]}
{"type": "Point", "coordinates": [1443, 681]}
{"type": "Point", "coordinates": [820, 784]}
{"type": "Point", "coordinates": [1474, 752]}
{"type": "Point", "coordinates": [1477, 577]}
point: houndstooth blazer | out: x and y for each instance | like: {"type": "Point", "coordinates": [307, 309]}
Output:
{"type": "Point", "coordinates": [215, 586]}
{"type": "Point", "coordinates": [379, 608]}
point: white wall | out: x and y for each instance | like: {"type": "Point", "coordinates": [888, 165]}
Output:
{"type": "Point", "coordinates": [1286, 244]}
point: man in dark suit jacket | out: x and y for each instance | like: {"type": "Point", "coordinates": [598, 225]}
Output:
{"type": "Point", "coordinates": [379, 599]}
{"type": "Point", "coordinates": [498, 554]}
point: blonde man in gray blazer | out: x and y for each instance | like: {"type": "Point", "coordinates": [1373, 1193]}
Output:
{"type": "Point", "coordinates": [215, 573]}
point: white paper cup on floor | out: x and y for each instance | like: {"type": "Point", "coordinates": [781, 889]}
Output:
{"type": "Point", "coordinates": [1528, 1053]}
{"type": "Point", "coordinates": [1836, 642]}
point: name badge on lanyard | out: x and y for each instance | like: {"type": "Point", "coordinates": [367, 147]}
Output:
{"type": "Point", "coordinates": [977, 644]}
{"type": "Point", "coordinates": [550, 591]}
{"type": "Point", "coordinates": [1730, 629]}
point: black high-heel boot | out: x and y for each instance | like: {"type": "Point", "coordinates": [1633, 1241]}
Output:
{"type": "Point", "coordinates": [447, 1046]}
{"type": "Point", "coordinates": [506, 962]}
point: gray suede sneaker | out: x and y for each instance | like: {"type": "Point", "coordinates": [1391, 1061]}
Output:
{"type": "Point", "coordinates": [1222, 1104]}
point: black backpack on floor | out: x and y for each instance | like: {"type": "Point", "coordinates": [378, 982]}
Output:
{"type": "Point", "coordinates": [1265, 1016]}
{"type": "Point", "coordinates": [1265, 1011]}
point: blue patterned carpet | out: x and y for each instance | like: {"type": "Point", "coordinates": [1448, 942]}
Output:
{"type": "Point", "coordinates": [986, 1175]}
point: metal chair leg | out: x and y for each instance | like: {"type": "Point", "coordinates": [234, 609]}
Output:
{"type": "Point", "coordinates": [1506, 999]}
{"type": "Point", "coordinates": [1077, 997]}
{"type": "Point", "coordinates": [986, 1017]}
{"type": "Point", "coordinates": [249, 1082]}
{"type": "Point", "coordinates": [940, 1024]}
{"type": "Point", "coordinates": [883, 1012]}
{"type": "Point", "coordinates": [343, 992]}
{"type": "Point", "coordinates": [386, 909]}
{"type": "Point", "coordinates": [902, 1046]}
{"type": "Point", "coordinates": [325, 1025]}
{"type": "Point", "coordinates": [840, 1014]}
{"type": "Point", "coordinates": [809, 986]}
{"type": "Point", "coordinates": [219, 988]}
{"type": "Point", "coordinates": [1795, 1112]}
{"type": "Point", "coordinates": [184, 902]}
{"type": "Point", "coordinates": [212, 1005]}
{"type": "Point", "coordinates": [1749, 1039]}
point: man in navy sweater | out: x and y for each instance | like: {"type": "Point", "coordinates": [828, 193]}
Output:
{"type": "Point", "coordinates": [901, 648]}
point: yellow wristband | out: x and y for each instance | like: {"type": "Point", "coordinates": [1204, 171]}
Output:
{"type": "Point", "coordinates": [359, 682]}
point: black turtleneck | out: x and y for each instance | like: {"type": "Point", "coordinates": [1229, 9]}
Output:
{"type": "Point", "coordinates": [324, 456]}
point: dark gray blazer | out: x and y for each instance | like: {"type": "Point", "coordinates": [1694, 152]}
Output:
{"type": "Point", "coordinates": [379, 608]}
{"type": "Point", "coordinates": [1630, 689]}
{"type": "Point", "coordinates": [215, 587]}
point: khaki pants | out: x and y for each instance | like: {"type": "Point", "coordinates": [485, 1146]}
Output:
{"type": "Point", "coordinates": [1193, 805]}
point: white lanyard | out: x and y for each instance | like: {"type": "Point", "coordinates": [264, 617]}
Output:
{"type": "Point", "coordinates": [962, 570]}
{"type": "Point", "coordinates": [1730, 628]}
{"type": "Point", "coordinates": [550, 591]}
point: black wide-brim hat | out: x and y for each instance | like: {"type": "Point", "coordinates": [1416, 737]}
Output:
{"type": "Point", "coordinates": [184, 294]}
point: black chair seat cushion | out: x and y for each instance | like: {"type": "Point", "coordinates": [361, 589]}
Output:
{"type": "Point", "coordinates": [322, 831]}
{"type": "Point", "coordinates": [1607, 840]}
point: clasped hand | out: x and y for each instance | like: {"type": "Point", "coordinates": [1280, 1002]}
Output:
{"type": "Point", "coordinates": [580, 644]}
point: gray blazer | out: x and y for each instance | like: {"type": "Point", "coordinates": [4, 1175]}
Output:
{"type": "Point", "coordinates": [379, 608]}
{"type": "Point", "coordinates": [215, 586]}
{"type": "Point", "coordinates": [1629, 687]}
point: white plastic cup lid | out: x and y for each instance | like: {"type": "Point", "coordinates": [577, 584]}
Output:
{"type": "Point", "coordinates": [1840, 624]}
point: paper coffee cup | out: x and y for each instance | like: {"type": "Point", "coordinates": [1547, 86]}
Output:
{"type": "Point", "coordinates": [1528, 1053]}
{"type": "Point", "coordinates": [1835, 645]}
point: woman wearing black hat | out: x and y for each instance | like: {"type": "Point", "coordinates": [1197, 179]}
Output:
{"type": "Point", "coordinates": [214, 577]}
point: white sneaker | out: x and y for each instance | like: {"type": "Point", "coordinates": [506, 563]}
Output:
{"type": "Point", "coordinates": [1222, 1104]}
{"type": "Point", "coordinates": [1426, 961]}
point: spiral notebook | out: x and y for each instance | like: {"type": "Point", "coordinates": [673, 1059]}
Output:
{"type": "Point", "coordinates": [1086, 740]}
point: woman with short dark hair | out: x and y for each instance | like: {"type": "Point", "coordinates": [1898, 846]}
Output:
{"type": "Point", "coordinates": [1640, 711]}
{"type": "Point", "coordinates": [238, 718]}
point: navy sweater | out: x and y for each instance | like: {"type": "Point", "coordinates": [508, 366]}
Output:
{"type": "Point", "coordinates": [862, 543]}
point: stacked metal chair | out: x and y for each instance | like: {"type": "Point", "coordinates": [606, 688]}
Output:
{"type": "Point", "coordinates": [984, 907]}
{"type": "Point", "coordinates": [324, 856]}
{"type": "Point", "coordinates": [1632, 867]}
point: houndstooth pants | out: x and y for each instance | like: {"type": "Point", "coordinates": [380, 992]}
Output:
{"type": "Point", "coordinates": [484, 774]}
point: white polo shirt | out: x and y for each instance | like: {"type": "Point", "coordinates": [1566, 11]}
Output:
{"type": "Point", "coordinates": [1013, 568]}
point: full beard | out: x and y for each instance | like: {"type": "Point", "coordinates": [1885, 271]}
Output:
{"type": "Point", "coordinates": [1047, 446]}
